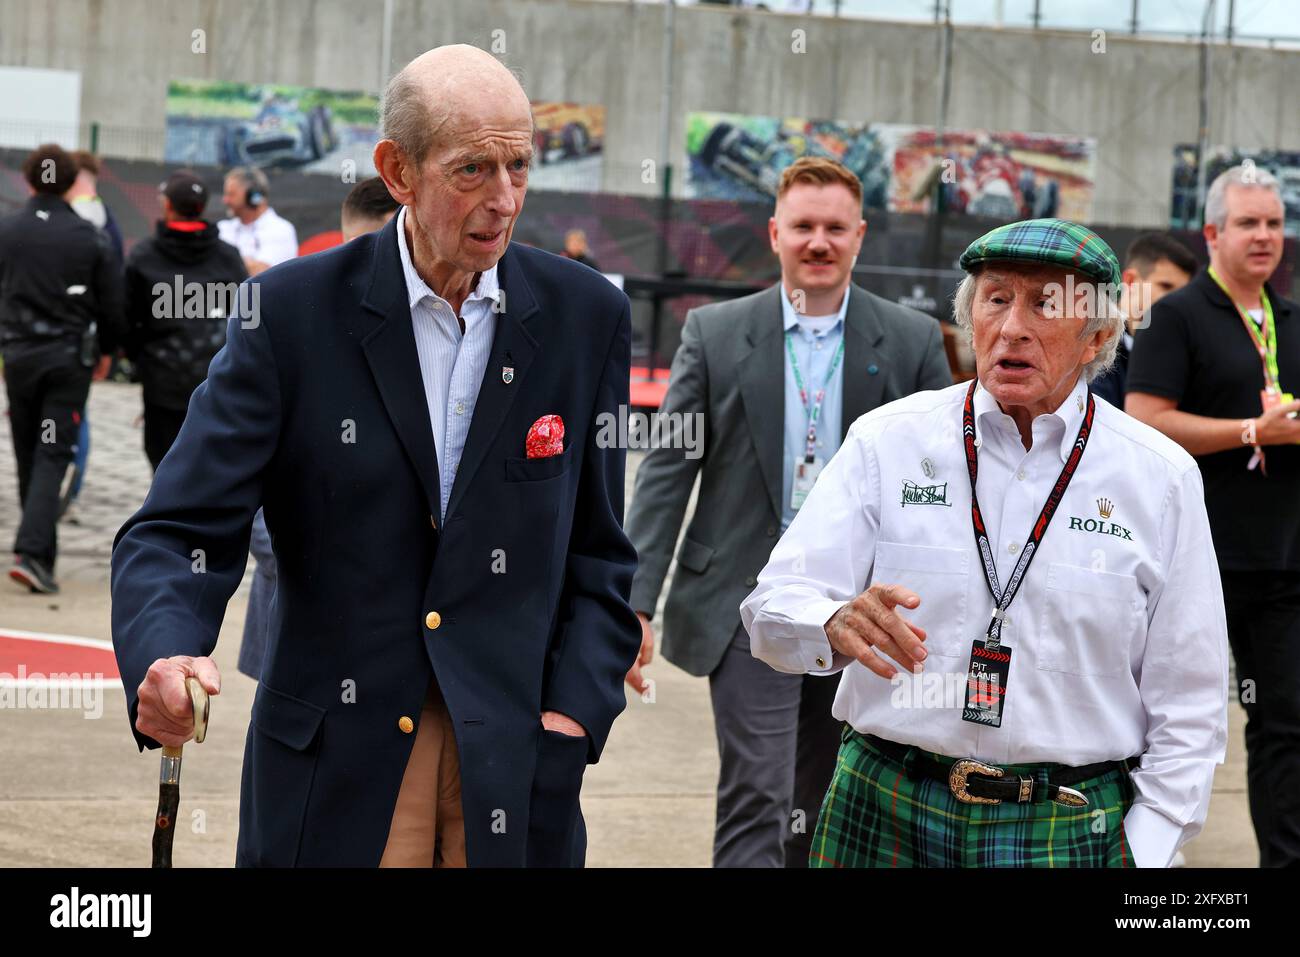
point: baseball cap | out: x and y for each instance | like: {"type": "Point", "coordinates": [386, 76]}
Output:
{"type": "Point", "coordinates": [186, 192]}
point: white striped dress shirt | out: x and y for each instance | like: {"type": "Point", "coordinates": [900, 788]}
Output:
{"type": "Point", "coordinates": [451, 362]}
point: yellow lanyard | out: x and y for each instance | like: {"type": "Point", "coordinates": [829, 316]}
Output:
{"type": "Point", "coordinates": [1265, 344]}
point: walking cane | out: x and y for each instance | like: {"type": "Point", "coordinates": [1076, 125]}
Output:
{"type": "Point", "coordinates": [169, 778]}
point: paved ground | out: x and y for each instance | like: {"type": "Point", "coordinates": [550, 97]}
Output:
{"type": "Point", "coordinates": [76, 792]}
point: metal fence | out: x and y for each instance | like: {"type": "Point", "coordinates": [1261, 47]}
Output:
{"type": "Point", "coordinates": [121, 142]}
{"type": "Point", "coordinates": [1269, 23]}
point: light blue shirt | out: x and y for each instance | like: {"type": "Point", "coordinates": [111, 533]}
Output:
{"type": "Point", "coordinates": [815, 339]}
{"type": "Point", "coordinates": [451, 362]}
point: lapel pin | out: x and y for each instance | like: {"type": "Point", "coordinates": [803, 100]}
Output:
{"type": "Point", "coordinates": [928, 468]}
{"type": "Point", "coordinates": [873, 369]}
{"type": "Point", "coordinates": [507, 374]}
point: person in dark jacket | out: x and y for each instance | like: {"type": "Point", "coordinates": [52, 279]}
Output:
{"type": "Point", "coordinates": [576, 248]}
{"type": "Point", "coordinates": [181, 285]}
{"type": "Point", "coordinates": [60, 295]}
{"type": "Point", "coordinates": [1155, 265]}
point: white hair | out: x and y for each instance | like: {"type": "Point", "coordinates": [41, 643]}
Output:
{"type": "Point", "coordinates": [405, 119]}
{"type": "Point", "coordinates": [1110, 317]}
{"type": "Point", "coordinates": [1248, 175]}
{"type": "Point", "coordinates": [251, 178]}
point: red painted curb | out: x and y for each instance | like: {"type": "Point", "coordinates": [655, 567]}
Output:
{"type": "Point", "coordinates": [31, 656]}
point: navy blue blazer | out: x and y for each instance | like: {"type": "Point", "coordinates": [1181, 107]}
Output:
{"type": "Point", "coordinates": [530, 574]}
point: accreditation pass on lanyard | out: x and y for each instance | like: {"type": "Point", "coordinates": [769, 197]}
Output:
{"type": "Point", "coordinates": [809, 465]}
{"type": "Point", "coordinates": [990, 659]}
{"type": "Point", "coordinates": [1264, 338]}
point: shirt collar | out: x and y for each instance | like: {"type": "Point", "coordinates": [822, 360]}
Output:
{"type": "Point", "coordinates": [266, 219]}
{"type": "Point", "coordinates": [417, 288]}
{"type": "Point", "coordinates": [790, 318]}
{"type": "Point", "coordinates": [1068, 414]}
{"type": "Point", "coordinates": [1210, 289]}
{"type": "Point", "coordinates": [47, 201]}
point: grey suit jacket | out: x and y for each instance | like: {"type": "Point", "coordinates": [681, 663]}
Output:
{"type": "Point", "coordinates": [731, 367]}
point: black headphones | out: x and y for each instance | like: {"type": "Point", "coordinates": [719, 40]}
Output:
{"type": "Point", "coordinates": [254, 195]}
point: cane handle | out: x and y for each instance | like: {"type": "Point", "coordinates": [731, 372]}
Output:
{"type": "Point", "coordinates": [199, 699]}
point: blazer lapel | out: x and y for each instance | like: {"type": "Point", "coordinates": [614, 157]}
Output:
{"type": "Point", "coordinates": [863, 388]}
{"type": "Point", "coordinates": [395, 363]}
{"type": "Point", "coordinates": [512, 346]}
{"type": "Point", "coordinates": [762, 389]}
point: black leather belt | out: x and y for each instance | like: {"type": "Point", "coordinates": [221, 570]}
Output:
{"type": "Point", "coordinates": [974, 782]}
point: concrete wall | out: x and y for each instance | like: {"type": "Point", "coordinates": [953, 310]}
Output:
{"type": "Point", "coordinates": [1138, 98]}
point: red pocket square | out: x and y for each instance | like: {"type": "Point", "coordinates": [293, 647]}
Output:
{"type": "Point", "coordinates": [546, 437]}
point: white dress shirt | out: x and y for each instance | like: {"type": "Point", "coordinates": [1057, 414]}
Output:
{"type": "Point", "coordinates": [1118, 634]}
{"type": "Point", "coordinates": [451, 362]}
{"type": "Point", "coordinates": [270, 238]}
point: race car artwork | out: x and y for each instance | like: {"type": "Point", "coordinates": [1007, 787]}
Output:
{"type": "Point", "coordinates": [281, 135]}
{"type": "Point", "coordinates": [566, 131]}
{"type": "Point", "coordinates": [224, 123]}
{"type": "Point", "coordinates": [994, 175]}
{"type": "Point", "coordinates": [742, 157]}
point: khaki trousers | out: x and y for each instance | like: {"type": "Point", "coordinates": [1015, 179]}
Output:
{"type": "Point", "coordinates": [428, 827]}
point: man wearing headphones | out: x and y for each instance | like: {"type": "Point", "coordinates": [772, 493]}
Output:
{"type": "Point", "coordinates": [263, 237]}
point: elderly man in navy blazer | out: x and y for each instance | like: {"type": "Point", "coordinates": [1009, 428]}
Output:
{"type": "Point", "coordinates": [418, 412]}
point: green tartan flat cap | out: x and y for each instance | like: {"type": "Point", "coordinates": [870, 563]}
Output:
{"type": "Point", "coordinates": [1054, 242]}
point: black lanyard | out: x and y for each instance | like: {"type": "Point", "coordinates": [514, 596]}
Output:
{"type": "Point", "coordinates": [1003, 598]}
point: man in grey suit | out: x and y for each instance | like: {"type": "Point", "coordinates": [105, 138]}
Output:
{"type": "Point", "coordinates": [777, 378]}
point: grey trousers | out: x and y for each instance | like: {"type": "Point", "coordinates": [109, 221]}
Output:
{"type": "Point", "coordinates": [777, 743]}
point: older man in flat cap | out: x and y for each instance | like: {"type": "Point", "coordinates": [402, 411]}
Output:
{"type": "Point", "coordinates": [1005, 708]}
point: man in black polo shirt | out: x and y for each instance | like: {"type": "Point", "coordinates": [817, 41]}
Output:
{"type": "Point", "coordinates": [1215, 371]}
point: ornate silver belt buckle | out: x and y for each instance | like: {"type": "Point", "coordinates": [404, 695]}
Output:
{"type": "Point", "coordinates": [963, 769]}
{"type": "Point", "coordinates": [1070, 797]}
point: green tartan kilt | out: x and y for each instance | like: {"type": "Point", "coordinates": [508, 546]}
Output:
{"type": "Point", "coordinates": [875, 815]}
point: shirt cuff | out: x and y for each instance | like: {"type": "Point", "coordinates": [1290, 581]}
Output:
{"type": "Point", "coordinates": [1153, 837]}
{"type": "Point", "coordinates": [815, 648]}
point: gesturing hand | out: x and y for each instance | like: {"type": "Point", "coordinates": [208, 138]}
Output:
{"type": "Point", "coordinates": [868, 627]}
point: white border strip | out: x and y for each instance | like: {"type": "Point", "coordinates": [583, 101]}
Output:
{"type": "Point", "coordinates": [56, 639]}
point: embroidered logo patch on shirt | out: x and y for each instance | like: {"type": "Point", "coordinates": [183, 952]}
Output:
{"type": "Point", "coordinates": [914, 494]}
{"type": "Point", "coordinates": [1104, 508]}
